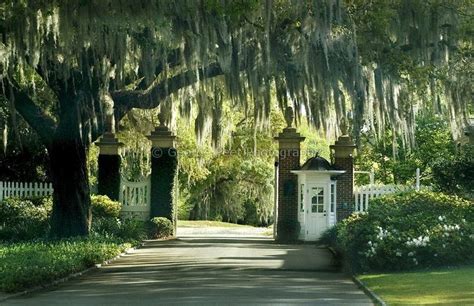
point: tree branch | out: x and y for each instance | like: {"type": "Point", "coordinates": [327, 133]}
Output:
{"type": "Point", "coordinates": [43, 124]}
{"type": "Point", "coordinates": [157, 92]}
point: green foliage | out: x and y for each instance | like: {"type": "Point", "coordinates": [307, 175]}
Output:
{"type": "Point", "coordinates": [22, 219]}
{"type": "Point", "coordinates": [103, 207]}
{"type": "Point", "coordinates": [396, 162]}
{"type": "Point", "coordinates": [161, 228]}
{"type": "Point", "coordinates": [127, 229]}
{"type": "Point", "coordinates": [234, 181]}
{"type": "Point", "coordinates": [25, 219]}
{"type": "Point", "coordinates": [27, 264]}
{"type": "Point", "coordinates": [454, 174]}
{"type": "Point", "coordinates": [406, 231]}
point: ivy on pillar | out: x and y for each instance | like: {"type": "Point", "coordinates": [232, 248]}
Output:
{"type": "Point", "coordinates": [288, 159]}
{"type": "Point", "coordinates": [344, 160]}
{"type": "Point", "coordinates": [164, 163]}
{"type": "Point", "coordinates": [109, 166]}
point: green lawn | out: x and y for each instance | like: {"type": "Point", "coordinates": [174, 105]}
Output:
{"type": "Point", "coordinates": [203, 223]}
{"type": "Point", "coordinates": [449, 286]}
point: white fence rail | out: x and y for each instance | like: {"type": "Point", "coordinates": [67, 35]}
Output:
{"type": "Point", "coordinates": [134, 196]}
{"type": "Point", "coordinates": [135, 199]}
{"type": "Point", "coordinates": [363, 194]}
{"type": "Point", "coordinates": [22, 190]}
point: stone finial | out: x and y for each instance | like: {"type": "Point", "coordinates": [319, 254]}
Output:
{"type": "Point", "coordinates": [289, 116]}
{"type": "Point", "coordinates": [162, 119]}
{"type": "Point", "coordinates": [344, 126]}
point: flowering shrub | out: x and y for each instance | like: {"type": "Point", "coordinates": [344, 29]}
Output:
{"type": "Point", "coordinates": [408, 230]}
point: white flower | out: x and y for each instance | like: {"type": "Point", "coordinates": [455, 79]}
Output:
{"type": "Point", "coordinates": [399, 254]}
{"type": "Point", "coordinates": [411, 254]}
{"type": "Point", "coordinates": [382, 233]}
{"type": "Point", "coordinates": [421, 241]}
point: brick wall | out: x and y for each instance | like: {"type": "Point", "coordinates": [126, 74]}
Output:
{"type": "Point", "coordinates": [289, 159]}
{"type": "Point", "coordinates": [345, 187]}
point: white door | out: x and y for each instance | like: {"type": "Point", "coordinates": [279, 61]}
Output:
{"type": "Point", "coordinates": [316, 212]}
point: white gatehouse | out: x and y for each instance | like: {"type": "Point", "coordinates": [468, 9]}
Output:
{"type": "Point", "coordinates": [316, 197]}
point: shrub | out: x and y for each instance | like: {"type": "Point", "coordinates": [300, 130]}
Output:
{"type": "Point", "coordinates": [103, 206]}
{"type": "Point", "coordinates": [161, 227]}
{"type": "Point", "coordinates": [22, 219]}
{"type": "Point", "coordinates": [288, 231]}
{"type": "Point", "coordinates": [128, 229]}
{"type": "Point", "coordinates": [408, 230]}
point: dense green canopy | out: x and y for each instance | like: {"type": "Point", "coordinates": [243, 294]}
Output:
{"type": "Point", "coordinates": [382, 60]}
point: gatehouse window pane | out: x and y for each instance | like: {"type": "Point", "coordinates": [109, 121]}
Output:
{"type": "Point", "coordinates": [333, 196]}
{"type": "Point", "coordinates": [302, 198]}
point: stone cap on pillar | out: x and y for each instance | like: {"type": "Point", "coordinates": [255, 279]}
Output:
{"type": "Point", "coordinates": [289, 138]}
{"type": "Point", "coordinates": [343, 147]}
{"type": "Point", "coordinates": [109, 144]}
{"type": "Point", "coordinates": [162, 137]}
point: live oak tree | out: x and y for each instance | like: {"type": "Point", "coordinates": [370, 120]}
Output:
{"type": "Point", "coordinates": [96, 60]}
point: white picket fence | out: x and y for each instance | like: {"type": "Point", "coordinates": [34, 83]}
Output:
{"type": "Point", "coordinates": [22, 189]}
{"type": "Point", "coordinates": [135, 198]}
{"type": "Point", "coordinates": [363, 194]}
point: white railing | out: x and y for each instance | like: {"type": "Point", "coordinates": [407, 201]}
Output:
{"type": "Point", "coordinates": [135, 198]}
{"type": "Point", "coordinates": [23, 190]}
{"type": "Point", "coordinates": [363, 194]}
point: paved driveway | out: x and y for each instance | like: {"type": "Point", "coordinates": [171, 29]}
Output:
{"type": "Point", "coordinates": [218, 269]}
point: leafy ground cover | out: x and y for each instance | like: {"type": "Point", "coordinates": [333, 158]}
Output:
{"type": "Point", "coordinates": [449, 286]}
{"type": "Point", "coordinates": [28, 264]}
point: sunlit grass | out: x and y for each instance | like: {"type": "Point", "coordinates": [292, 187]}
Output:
{"type": "Point", "coordinates": [448, 286]}
{"type": "Point", "coordinates": [205, 223]}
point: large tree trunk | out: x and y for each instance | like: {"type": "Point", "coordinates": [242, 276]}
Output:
{"type": "Point", "coordinates": [71, 199]}
{"type": "Point", "coordinates": [68, 162]}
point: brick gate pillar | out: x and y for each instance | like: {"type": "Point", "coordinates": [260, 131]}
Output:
{"type": "Point", "coordinates": [164, 163]}
{"type": "Point", "coordinates": [344, 160]}
{"type": "Point", "coordinates": [108, 179]}
{"type": "Point", "coordinates": [288, 159]}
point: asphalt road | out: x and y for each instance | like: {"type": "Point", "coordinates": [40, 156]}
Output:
{"type": "Point", "coordinates": [210, 268]}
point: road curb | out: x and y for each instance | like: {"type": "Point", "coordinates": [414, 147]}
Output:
{"type": "Point", "coordinates": [70, 276]}
{"type": "Point", "coordinates": [373, 296]}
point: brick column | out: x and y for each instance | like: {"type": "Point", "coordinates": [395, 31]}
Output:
{"type": "Point", "coordinates": [164, 163]}
{"type": "Point", "coordinates": [344, 160]}
{"type": "Point", "coordinates": [288, 159]}
{"type": "Point", "coordinates": [109, 166]}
